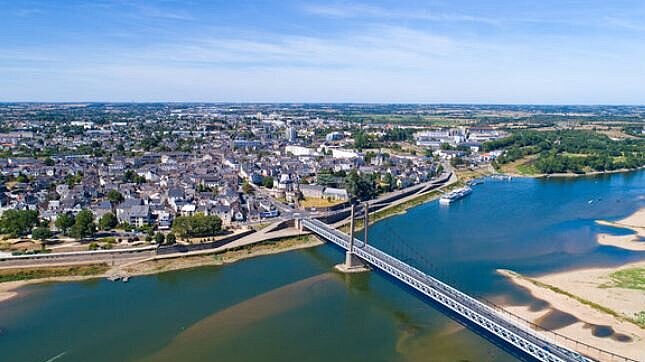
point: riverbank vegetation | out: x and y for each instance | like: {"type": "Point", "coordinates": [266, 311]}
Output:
{"type": "Point", "coordinates": [404, 206]}
{"type": "Point", "coordinates": [9, 275]}
{"type": "Point", "coordinates": [267, 247]}
{"type": "Point", "coordinates": [18, 223]}
{"type": "Point", "coordinates": [197, 225]}
{"type": "Point", "coordinates": [567, 151]}
{"type": "Point", "coordinates": [633, 278]}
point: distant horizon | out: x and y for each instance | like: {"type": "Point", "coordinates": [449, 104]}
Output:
{"type": "Point", "coordinates": [333, 103]}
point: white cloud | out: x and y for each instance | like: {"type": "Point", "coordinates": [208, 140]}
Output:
{"type": "Point", "coordinates": [369, 11]}
{"type": "Point", "coordinates": [375, 46]}
{"type": "Point", "coordinates": [624, 24]}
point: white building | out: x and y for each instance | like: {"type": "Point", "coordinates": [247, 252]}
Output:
{"type": "Point", "coordinates": [84, 124]}
{"type": "Point", "coordinates": [299, 151]}
{"type": "Point", "coordinates": [341, 153]}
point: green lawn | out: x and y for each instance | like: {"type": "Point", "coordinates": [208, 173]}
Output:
{"type": "Point", "coordinates": [523, 166]}
{"type": "Point", "coordinates": [527, 169]}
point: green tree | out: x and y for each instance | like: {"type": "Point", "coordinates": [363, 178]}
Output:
{"type": "Point", "coordinates": [129, 176]}
{"type": "Point", "coordinates": [325, 178]}
{"type": "Point", "coordinates": [22, 178]}
{"type": "Point", "coordinates": [72, 180]}
{"type": "Point", "coordinates": [362, 187]}
{"type": "Point", "coordinates": [197, 225]}
{"type": "Point", "coordinates": [132, 177]}
{"type": "Point", "coordinates": [41, 233]}
{"type": "Point", "coordinates": [49, 162]}
{"type": "Point", "coordinates": [390, 183]}
{"type": "Point", "coordinates": [267, 182]}
{"type": "Point", "coordinates": [362, 140]}
{"type": "Point", "coordinates": [108, 221]}
{"type": "Point", "coordinates": [18, 222]}
{"type": "Point", "coordinates": [115, 197]}
{"type": "Point", "coordinates": [247, 188]}
{"type": "Point", "coordinates": [159, 238]}
{"type": "Point", "coordinates": [171, 238]}
{"type": "Point", "coordinates": [368, 156]}
{"type": "Point", "coordinates": [83, 225]}
{"type": "Point", "coordinates": [64, 222]}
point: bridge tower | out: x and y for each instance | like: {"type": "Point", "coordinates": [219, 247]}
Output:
{"type": "Point", "coordinates": [354, 264]}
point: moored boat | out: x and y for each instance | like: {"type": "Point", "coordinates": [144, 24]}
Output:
{"type": "Point", "coordinates": [455, 195]}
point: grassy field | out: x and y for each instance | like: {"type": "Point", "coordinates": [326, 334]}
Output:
{"type": "Point", "coordinates": [471, 174]}
{"type": "Point", "coordinates": [316, 202]}
{"type": "Point", "coordinates": [9, 275]}
{"type": "Point", "coordinates": [260, 226]}
{"type": "Point", "coordinates": [633, 278]}
{"type": "Point", "coordinates": [522, 166]}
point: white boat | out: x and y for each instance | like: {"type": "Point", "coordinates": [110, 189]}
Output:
{"type": "Point", "coordinates": [455, 195]}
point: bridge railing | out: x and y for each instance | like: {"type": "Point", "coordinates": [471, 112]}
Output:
{"type": "Point", "coordinates": [558, 338]}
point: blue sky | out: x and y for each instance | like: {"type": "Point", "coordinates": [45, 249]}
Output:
{"type": "Point", "coordinates": [452, 51]}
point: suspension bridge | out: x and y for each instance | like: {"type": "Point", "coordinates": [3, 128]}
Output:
{"type": "Point", "coordinates": [525, 340]}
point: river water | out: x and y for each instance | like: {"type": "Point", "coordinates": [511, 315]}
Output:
{"type": "Point", "coordinates": [293, 307]}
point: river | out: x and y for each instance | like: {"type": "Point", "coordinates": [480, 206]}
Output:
{"type": "Point", "coordinates": [293, 307]}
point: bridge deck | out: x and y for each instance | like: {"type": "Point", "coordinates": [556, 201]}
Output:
{"type": "Point", "coordinates": [523, 338]}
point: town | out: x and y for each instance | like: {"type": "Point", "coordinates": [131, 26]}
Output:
{"type": "Point", "coordinates": [121, 175]}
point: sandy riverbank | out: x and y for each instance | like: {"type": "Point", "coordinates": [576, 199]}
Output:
{"type": "Point", "coordinates": [612, 297]}
{"type": "Point", "coordinates": [635, 222]}
{"type": "Point", "coordinates": [7, 295]}
{"type": "Point", "coordinates": [8, 290]}
{"type": "Point", "coordinates": [594, 298]}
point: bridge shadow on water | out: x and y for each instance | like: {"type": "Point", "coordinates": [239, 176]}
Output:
{"type": "Point", "coordinates": [490, 337]}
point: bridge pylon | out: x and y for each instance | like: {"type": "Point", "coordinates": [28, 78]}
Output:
{"type": "Point", "coordinates": [354, 264]}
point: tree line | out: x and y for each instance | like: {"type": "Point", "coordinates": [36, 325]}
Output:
{"type": "Point", "coordinates": [570, 151]}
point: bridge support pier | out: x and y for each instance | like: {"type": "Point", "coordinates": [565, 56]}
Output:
{"type": "Point", "coordinates": [353, 264]}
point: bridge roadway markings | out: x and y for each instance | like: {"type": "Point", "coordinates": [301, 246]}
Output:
{"type": "Point", "coordinates": [477, 312]}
